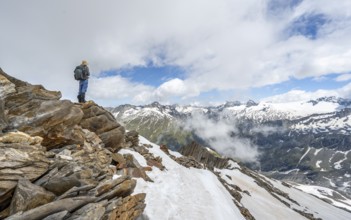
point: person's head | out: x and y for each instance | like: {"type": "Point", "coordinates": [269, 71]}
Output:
{"type": "Point", "coordinates": [84, 62]}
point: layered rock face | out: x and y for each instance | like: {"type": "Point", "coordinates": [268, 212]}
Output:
{"type": "Point", "coordinates": [204, 155]}
{"type": "Point", "coordinates": [56, 158]}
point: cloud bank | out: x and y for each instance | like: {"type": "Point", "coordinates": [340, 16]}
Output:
{"type": "Point", "coordinates": [301, 95]}
{"type": "Point", "coordinates": [220, 136]}
{"type": "Point", "coordinates": [221, 45]}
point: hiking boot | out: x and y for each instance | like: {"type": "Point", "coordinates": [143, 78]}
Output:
{"type": "Point", "coordinates": [79, 98]}
{"type": "Point", "coordinates": [83, 97]}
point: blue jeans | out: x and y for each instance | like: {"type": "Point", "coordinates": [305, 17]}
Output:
{"type": "Point", "coordinates": [83, 86]}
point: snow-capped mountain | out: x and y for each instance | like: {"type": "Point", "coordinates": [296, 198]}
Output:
{"type": "Point", "coordinates": [305, 142]}
{"type": "Point", "coordinates": [182, 191]}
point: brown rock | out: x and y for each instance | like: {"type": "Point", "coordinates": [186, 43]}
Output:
{"type": "Point", "coordinates": [131, 161]}
{"type": "Point", "coordinates": [132, 138]}
{"type": "Point", "coordinates": [119, 159]}
{"type": "Point", "coordinates": [109, 184]}
{"type": "Point", "coordinates": [20, 137]}
{"type": "Point", "coordinates": [246, 213]}
{"type": "Point", "coordinates": [155, 163]}
{"type": "Point", "coordinates": [28, 196]}
{"type": "Point", "coordinates": [53, 120]}
{"type": "Point", "coordinates": [164, 148]}
{"type": "Point", "coordinates": [147, 168]}
{"type": "Point", "coordinates": [61, 185]}
{"type": "Point", "coordinates": [121, 190]}
{"type": "Point", "coordinates": [137, 173]}
{"type": "Point", "coordinates": [88, 212]}
{"type": "Point", "coordinates": [46, 210]}
{"type": "Point", "coordinates": [132, 207]}
{"type": "Point", "coordinates": [19, 161]}
{"type": "Point", "coordinates": [38, 112]}
{"type": "Point", "coordinates": [102, 122]}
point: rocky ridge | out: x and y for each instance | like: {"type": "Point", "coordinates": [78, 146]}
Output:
{"type": "Point", "coordinates": [57, 158]}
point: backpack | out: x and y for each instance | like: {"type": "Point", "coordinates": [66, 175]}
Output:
{"type": "Point", "coordinates": [78, 73]}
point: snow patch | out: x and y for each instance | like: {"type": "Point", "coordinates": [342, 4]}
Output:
{"type": "Point", "coordinates": [318, 164]}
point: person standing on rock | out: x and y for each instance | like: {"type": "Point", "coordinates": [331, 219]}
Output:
{"type": "Point", "coordinates": [82, 74]}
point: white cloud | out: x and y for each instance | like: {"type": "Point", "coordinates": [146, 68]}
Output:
{"type": "Point", "coordinates": [301, 95]}
{"type": "Point", "coordinates": [343, 77]}
{"type": "Point", "coordinates": [219, 135]}
{"type": "Point", "coordinates": [115, 88]}
{"type": "Point", "coordinates": [222, 44]}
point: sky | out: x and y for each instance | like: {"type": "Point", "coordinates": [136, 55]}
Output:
{"type": "Point", "coordinates": [186, 51]}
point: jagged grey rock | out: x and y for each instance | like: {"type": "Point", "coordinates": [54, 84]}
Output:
{"type": "Point", "coordinates": [20, 161]}
{"type": "Point", "coordinates": [62, 184]}
{"type": "Point", "coordinates": [57, 216]}
{"type": "Point", "coordinates": [28, 196]}
{"type": "Point", "coordinates": [89, 212]}
{"type": "Point", "coordinates": [123, 189]}
{"type": "Point", "coordinates": [43, 211]}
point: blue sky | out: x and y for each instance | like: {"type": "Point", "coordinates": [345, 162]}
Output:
{"type": "Point", "coordinates": [186, 51]}
{"type": "Point", "coordinates": [149, 75]}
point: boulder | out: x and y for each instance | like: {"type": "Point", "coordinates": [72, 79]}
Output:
{"type": "Point", "coordinates": [60, 185]}
{"type": "Point", "coordinates": [53, 120]}
{"type": "Point", "coordinates": [19, 160]}
{"type": "Point", "coordinates": [119, 160]}
{"type": "Point", "coordinates": [132, 138]}
{"type": "Point", "coordinates": [102, 122]}
{"type": "Point", "coordinates": [106, 186]}
{"type": "Point", "coordinates": [28, 196]}
{"type": "Point", "coordinates": [88, 212]}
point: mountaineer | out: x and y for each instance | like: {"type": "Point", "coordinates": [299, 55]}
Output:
{"type": "Point", "coordinates": [82, 74]}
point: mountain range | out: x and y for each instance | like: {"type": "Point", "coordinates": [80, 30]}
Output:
{"type": "Point", "coordinates": [68, 161]}
{"type": "Point", "coordinates": [307, 142]}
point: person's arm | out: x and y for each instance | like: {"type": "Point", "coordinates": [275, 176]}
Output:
{"type": "Point", "coordinates": [88, 72]}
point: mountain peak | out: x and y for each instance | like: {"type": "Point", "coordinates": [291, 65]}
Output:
{"type": "Point", "coordinates": [251, 103]}
{"type": "Point", "coordinates": [231, 104]}
{"type": "Point", "coordinates": [332, 99]}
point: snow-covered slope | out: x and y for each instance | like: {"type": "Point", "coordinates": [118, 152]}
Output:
{"type": "Point", "coordinates": [235, 192]}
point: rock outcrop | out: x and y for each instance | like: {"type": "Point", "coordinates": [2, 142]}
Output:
{"type": "Point", "coordinates": [204, 156]}
{"type": "Point", "coordinates": [102, 122]}
{"type": "Point", "coordinates": [56, 158]}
